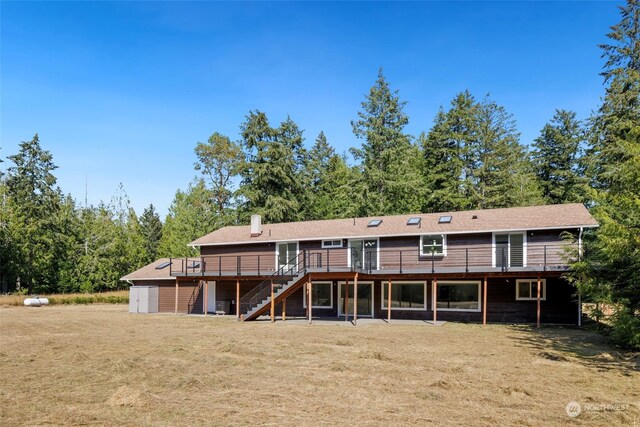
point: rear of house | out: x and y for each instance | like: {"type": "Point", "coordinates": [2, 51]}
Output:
{"type": "Point", "coordinates": [494, 265]}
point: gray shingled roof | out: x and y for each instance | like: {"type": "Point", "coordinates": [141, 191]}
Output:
{"type": "Point", "coordinates": [486, 220]}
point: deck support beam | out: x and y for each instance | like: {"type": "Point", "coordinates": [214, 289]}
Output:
{"type": "Point", "coordinates": [355, 299]}
{"type": "Point", "coordinates": [538, 307]}
{"type": "Point", "coordinates": [309, 285]}
{"type": "Point", "coordinates": [389, 302]}
{"type": "Point", "coordinates": [579, 309]}
{"type": "Point", "coordinates": [434, 290]}
{"type": "Point", "coordinates": [273, 305]}
{"type": "Point", "coordinates": [238, 299]}
{"type": "Point", "coordinates": [346, 300]}
{"type": "Point", "coordinates": [177, 291]}
{"type": "Point", "coordinates": [484, 303]}
{"type": "Point", "coordinates": [284, 309]}
{"type": "Point", "coordinates": [205, 297]}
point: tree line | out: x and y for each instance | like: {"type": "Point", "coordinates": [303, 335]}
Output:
{"type": "Point", "coordinates": [472, 157]}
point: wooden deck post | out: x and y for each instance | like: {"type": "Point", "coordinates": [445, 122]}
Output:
{"type": "Point", "coordinates": [238, 299]}
{"type": "Point", "coordinates": [346, 301]}
{"type": "Point", "coordinates": [205, 297]}
{"type": "Point", "coordinates": [284, 309]}
{"type": "Point", "coordinates": [579, 309]}
{"type": "Point", "coordinates": [538, 309]}
{"type": "Point", "coordinates": [434, 290]}
{"type": "Point", "coordinates": [389, 302]}
{"type": "Point", "coordinates": [177, 291]}
{"type": "Point", "coordinates": [355, 299]}
{"type": "Point", "coordinates": [273, 305]}
{"type": "Point", "coordinates": [309, 285]}
{"type": "Point", "coordinates": [484, 303]}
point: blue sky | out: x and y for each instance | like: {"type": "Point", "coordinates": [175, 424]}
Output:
{"type": "Point", "coordinates": [122, 92]}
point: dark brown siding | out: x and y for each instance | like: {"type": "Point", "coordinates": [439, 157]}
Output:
{"type": "Point", "coordinates": [253, 257]}
{"type": "Point", "coordinates": [474, 250]}
{"type": "Point", "coordinates": [551, 242]}
{"type": "Point", "coordinates": [477, 246]}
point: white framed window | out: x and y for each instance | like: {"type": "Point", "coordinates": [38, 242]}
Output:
{"type": "Point", "coordinates": [364, 254]}
{"type": "Point", "coordinates": [509, 249]}
{"type": "Point", "coordinates": [321, 295]}
{"type": "Point", "coordinates": [287, 255]}
{"type": "Point", "coordinates": [435, 244]}
{"type": "Point", "coordinates": [404, 295]}
{"type": "Point", "coordinates": [458, 296]}
{"type": "Point", "coordinates": [328, 244]}
{"type": "Point", "coordinates": [527, 289]}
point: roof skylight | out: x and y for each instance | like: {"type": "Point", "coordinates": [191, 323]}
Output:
{"type": "Point", "coordinates": [413, 221]}
{"type": "Point", "coordinates": [374, 223]}
{"type": "Point", "coordinates": [162, 265]}
{"type": "Point", "coordinates": [444, 219]}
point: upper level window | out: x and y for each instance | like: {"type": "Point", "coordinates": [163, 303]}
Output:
{"type": "Point", "coordinates": [433, 244]}
{"type": "Point", "coordinates": [326, 244]}
{"type": "Point", "coordinates": [527, 289]}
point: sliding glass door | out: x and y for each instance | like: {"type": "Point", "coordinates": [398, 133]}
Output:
{"type": "Point", "coordinates": [287, 259]}
{"type": "Point", "coordinates": [364, 254]}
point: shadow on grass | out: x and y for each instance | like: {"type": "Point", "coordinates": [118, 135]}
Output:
{"type": "Point", "coordinates": [572, 344]}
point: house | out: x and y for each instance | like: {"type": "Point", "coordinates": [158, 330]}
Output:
{"type": "Point", "coordinates": [491, 265]}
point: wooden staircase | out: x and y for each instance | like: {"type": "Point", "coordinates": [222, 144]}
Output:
{"type": "Point", "coordinates": [281, 284]}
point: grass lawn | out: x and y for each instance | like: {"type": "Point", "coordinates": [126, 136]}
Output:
{"type": "Point", "coordinates": [97, 364]}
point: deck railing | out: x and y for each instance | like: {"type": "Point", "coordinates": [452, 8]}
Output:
{"type": "Point", "coordinates": [472, 258]}
{"type": "Point", "coordinates": [295, 266]}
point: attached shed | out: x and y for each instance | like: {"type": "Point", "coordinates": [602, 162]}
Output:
{"type": "Point", "coordinates": [143, 299]}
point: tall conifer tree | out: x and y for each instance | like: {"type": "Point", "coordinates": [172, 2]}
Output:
{"type": "Point", "coordinates": [270, 175]}
{"type": "Point", "coordinates": [557, 159]}
{"type": "Point", "coordinates": [610, 271]}
{"type": "Point", "coordinates": [390, 162]}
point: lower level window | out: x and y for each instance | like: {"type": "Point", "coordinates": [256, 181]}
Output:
{"type": "Point", "coordinates": [404, 296]}
{"type": "Point", "coordinates": [321, 295]}
{"type": "Point", "coordinates": [527, 289]}
{"type": "Point", "coordinates": [459, 296]}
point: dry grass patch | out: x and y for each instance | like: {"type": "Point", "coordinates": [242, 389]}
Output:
{"type": "Point", "coordinates": [101, 365]}
{"type": "Point", "coordinates": [117, 297]}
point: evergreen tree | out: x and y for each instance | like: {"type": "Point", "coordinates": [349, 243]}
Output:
{"type": "Point", "coordinates": [390, 162]}
{"type": "Point", "coordinates": [340, 193]}
{"type": "Point", "coordinates": [151, 229]}
{"type": "Point", "coordinates": [270, 185]}
{"type": "Point", "coordinates": [190, 217]}
{"type": "Point", "coordinates": [69, 247]}
{"type": "Point", "coordinates": [557, 160]}
{"type": "Point", "coordinates": [610, 271]}
{"type": "Point", "coordinates": [501, 173]}
{"type": "Point", "coordinates": [315, 175]}
{"type": "Point", "coordinates": [6, 244]}
{"type": "Point", "coordinates": [35, 202]}
{"type": "Point", "coordinates": [450, 153]}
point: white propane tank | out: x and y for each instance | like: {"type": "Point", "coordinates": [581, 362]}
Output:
{"type": "Point", "coordinates": [36, 302]}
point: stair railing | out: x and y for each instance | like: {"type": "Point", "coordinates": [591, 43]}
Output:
{"type": "Point", "coordinates": [296, 265]}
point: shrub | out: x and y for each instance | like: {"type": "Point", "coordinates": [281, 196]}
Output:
{"type": "Point", "coordinates": [625, 329]}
